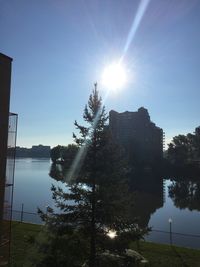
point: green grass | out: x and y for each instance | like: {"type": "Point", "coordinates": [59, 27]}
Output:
{"type": "Point", "coordinates": [21, 232]}
{"type": "Point", "coordinates": [160, 255]}
{"type": "Point", "coordinates": [157, 254]}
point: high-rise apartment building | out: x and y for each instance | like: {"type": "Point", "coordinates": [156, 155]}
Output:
{"type": "Point", "coordinates": [141, 138]}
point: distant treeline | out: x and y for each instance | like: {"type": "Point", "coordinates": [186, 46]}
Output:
{"type": "Point", "coordinates": [39, 151]}
{"type": "Point", "coordinates": [185, 149]}
{"type": "Point", "coordinates": [64, 154]}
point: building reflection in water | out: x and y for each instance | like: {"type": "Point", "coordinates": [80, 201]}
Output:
{"type": "Point", "coordinates": [148, 195]}
{"type": "Point", "coordinates": [147, 189]}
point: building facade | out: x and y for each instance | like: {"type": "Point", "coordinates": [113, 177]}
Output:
{"type": "Point", "coordinates": [141, 138]}
{"type": "Point", "coordinates": [8, 128]}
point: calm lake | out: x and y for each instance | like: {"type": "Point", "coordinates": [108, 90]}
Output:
{"type": "Point", "coordinates": [156, 202]}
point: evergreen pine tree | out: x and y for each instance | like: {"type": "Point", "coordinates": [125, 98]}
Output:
{"type": "Point", "coordinates": [95, 201]}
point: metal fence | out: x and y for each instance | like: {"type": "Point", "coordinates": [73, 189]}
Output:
{"type": "Point", "coordinates": [155, 235]}
{"type": "Point", "coordinates": [174, 238]}
{"type": "Point", "coordinates": [27, 217]}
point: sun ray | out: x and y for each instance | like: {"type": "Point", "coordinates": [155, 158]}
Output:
{"type": "Point", "coordinates": [135, 25]}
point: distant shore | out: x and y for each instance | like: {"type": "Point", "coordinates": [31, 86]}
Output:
{"type": "Point", "coordinates": [38, 151]}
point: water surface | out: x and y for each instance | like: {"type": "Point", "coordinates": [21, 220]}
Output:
{"type": "Point", "coordinates": [152, 203]}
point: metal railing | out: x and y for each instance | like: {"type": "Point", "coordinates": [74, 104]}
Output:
{"type": "Point", "coordinates": [25, 216]}
{"type": "Point", "coordinates": [155, 235]}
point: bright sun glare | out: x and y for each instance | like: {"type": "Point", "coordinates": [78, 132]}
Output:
{"type": "Point", "coordinates": [112, 234]}
{"type": "Point", "coordinates": [114, 76]}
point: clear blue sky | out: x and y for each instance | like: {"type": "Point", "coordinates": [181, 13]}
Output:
{"type": "Point", "coordinates": [60, 47]}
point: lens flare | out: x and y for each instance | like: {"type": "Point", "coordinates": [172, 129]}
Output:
{"type": "Point", "coordinates": [135, 24]}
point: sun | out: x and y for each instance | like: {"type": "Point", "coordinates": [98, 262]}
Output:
{"type": "Point", "coordinates": [114, 77]}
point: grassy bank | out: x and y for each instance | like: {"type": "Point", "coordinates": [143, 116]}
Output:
{"type": "Point", "coordinates": [160, 255]}
{"type": "Point", "coordinates": [20, 246]}
{"type": "Point", "coordinates": [157, 254]}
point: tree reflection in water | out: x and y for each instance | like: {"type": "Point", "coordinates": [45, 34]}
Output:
{"type": "Point", "coordinates": [185, 194]}
{"type": "Point", "coordinates": [147, 192]}
{"type": "Point", "coordinates": [57, 172]}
